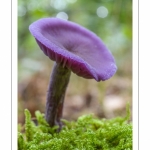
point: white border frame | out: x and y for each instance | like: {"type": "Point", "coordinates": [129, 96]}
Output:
{"type": "Point", "coordinates": [141, 29]}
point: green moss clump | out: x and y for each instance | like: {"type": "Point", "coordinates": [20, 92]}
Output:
{"type": "Point", "coordinates": [87, 133]}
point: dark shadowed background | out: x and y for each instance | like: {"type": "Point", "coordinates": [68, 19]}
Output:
{"type": "Point", "coordinates": [111, 20]}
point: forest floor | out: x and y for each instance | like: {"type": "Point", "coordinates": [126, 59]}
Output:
{"type": "Point", "coordinates": [105, 99]}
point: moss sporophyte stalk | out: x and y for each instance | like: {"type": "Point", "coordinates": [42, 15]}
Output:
{"type": "Point", "coordinates": [74, 49]}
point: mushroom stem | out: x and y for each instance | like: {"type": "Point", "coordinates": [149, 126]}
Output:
{"type": "Point", "coordinates": [56, 93]}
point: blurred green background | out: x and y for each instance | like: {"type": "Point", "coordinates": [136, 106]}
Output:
{"type": "Point", "coordinates": [111, 20]}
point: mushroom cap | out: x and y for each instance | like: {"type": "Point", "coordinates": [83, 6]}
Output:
{"type": "Point", "coordinates": [75, 47]}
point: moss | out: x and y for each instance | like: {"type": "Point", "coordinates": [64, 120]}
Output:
{"type": "Point", "coordinates": [87, 133]}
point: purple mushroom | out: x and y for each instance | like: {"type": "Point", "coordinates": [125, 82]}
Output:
{"type": "Point", "coordinates": [73, 48]}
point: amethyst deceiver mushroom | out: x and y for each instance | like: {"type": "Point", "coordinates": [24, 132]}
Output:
{"type": "Point", "coordinates": [73, 48]}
